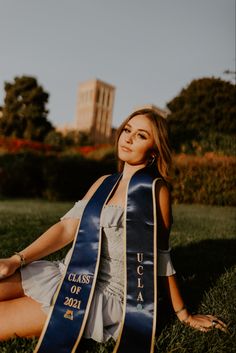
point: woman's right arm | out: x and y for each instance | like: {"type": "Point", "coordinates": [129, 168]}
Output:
{"type": "Point", "coordinates": [55, 238]}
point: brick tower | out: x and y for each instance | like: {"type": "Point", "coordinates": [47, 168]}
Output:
{"type": "Point", "coordinates": [94, 110]}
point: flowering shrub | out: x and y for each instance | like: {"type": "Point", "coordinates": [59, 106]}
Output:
{"type": "Point", "coordinates": [90, 150]}
{"type": "Point", "coordinates": [15, 145]}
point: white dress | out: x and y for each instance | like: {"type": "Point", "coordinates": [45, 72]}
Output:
{"type": "Point", "coordinates": [40, 279]}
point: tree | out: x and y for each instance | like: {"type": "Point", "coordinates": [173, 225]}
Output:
{"type": "Point", "coordinates": [24, 112]}
{"type": "Point", "coordinates": [72, 138]}
{"type": "Point", "coordinates": [203, 114]}
{"type": "Point", "coordinates": [56, 139]}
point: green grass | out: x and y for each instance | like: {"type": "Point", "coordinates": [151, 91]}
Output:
{"type": "Point", "coordinates": [204, 244]}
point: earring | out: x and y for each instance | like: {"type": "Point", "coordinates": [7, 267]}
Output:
{"type": "Point", "coordinates": [152, 160]}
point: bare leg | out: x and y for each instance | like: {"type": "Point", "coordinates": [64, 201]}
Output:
{"type": "Point", "coordinates": [11, 287]}
{"type": "Point", "coordinates": [19, 315]}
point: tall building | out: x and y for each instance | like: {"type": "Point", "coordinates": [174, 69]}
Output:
{"type": "Point", "coordinates": [94, 110]}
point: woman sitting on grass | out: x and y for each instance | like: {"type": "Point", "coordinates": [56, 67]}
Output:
{"type": "Point", "coordinates": [28, 286]}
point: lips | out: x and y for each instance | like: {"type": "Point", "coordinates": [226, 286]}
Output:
{"type": "Point", "coordinates": [125, 149]}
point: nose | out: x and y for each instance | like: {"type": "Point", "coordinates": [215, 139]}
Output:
{"type": "Point", "coordinates": [129, 138]}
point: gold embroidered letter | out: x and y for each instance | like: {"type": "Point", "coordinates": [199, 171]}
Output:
{"type": "Point", "coordinates": [140, 256]}
{"type": "Point", "coordinates": [140, 297]}
{"type": "Point", "coordinates": [139, 269]}
{"type": "Point", "coordinates": [139, 283]}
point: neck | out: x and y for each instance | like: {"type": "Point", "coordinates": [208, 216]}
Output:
{"type": "Point", "coordinates": [129, 170]}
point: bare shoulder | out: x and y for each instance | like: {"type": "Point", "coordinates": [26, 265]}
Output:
{"type": "Point", "coordinates": [94, 187]}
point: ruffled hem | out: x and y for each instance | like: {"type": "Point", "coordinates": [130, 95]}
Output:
{"type": "Point", "coordinates": [104, 317]}
{"type": "Point", "coordinates": [40, 280]}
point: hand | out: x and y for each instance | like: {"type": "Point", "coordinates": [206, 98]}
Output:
{"type": "Point", "coordinates": [205, 323]}
{"type": "Point", "coordinates": [8, 266]}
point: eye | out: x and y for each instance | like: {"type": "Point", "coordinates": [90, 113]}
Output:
{"type": "Point", "coordinates": [142, 136]}
{"type": "Point", "coordinates": [127, 130]}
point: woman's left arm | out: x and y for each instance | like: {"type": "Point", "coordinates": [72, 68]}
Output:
{"type": "Point", "coordinates": [164, 216]}
{"type": "Point", "coordinates": [200, 322]}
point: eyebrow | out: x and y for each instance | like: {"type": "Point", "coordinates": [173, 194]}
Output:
{"type": "Point", "coordinates": [139, 129]}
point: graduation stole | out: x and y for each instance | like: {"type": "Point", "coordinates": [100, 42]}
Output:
{"type": "Point", "coordinates": [67, 319]}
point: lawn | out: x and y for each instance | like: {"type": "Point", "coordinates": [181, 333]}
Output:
{"type": "Point", "coordinates": [203, 243]}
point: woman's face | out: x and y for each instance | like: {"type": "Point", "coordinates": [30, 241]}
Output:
{"type": "Point", "coordinates": [136, 140]}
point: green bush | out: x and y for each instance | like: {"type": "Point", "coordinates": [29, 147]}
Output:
{"type": "Point", "coordinates": [54, 177]}
{"type": "Point", "coordinates": [206, 180]}
{"type": "Point", "coordinates": [69, 177]}
{"type": "Point", "coordinates": [21, 175]}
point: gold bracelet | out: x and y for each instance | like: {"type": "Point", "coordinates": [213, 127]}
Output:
{"type": "Point", "coordinates": [22, 259]}
{"type": "Point", "coordinates": [179, 311]}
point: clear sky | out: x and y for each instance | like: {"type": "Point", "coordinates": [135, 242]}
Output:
{"type": "Point", "coordinates": [148, 49]}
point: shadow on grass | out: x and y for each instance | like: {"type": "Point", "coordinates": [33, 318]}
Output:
{"type": "Point", "coordinates": [198, 266]}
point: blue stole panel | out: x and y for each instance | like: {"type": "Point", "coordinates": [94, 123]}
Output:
{"type": "Point", "coordinates": [139, 322]}
{"type": "Point", "coordinates": [65, 325]}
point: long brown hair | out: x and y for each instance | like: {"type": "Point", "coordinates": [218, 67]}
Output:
{"type": "Point", "coordinates": [161, 147]}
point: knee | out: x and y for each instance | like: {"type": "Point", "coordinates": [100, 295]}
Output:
{"type": "Point", "coordinates": [11, 287]}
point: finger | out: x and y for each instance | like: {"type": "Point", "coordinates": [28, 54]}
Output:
{"type": "Point", "coordinates": [203, 329]}
{"type": "Point", "coordinates": [211, 317]}
{"type": "Point", "coordinates": [221, 327]}
{"type": "Point", "coordinates": [221, 323]}
{"type": "Point", "coordinates": [218, 321]}
{"type": "Point", "coordinates": [201, 326]}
